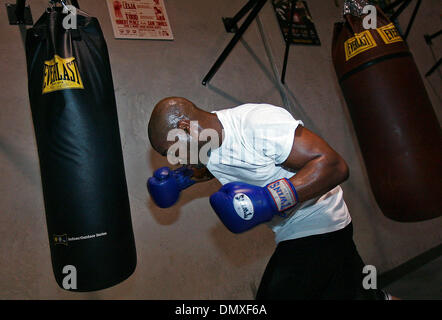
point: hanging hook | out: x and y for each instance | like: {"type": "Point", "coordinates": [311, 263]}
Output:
{"type": "Point", "coordinates": [63, 3]}
{"type": "Point", "coordinates": [51, 5]}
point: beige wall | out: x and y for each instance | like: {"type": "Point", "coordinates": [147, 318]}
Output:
{"type": "Point", "coordinates": [185, 252]}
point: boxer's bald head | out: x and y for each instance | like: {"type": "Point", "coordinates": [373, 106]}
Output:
{"type": "Point", "coordinates": [166, 116]}
{"type": "Point", "coordinates": [176, 113]}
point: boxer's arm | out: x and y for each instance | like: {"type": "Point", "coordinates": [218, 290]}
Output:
{"type": "Point", "coordinates": [200, 174]}
{"type": "Point", "coordinates": [319, 168]}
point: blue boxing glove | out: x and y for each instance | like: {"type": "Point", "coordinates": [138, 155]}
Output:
{"type": "Point", "coordinates": [166, 185]}
{"type": "Point", "coordinates": [241, 206]}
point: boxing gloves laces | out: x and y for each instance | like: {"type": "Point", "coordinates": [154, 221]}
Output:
{"type": "Point", "coordinates": [241, 206]}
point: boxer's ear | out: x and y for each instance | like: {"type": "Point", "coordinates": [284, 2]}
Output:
{"type": "Point", "coordinates": [184, 125]}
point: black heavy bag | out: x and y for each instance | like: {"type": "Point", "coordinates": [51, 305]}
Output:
{"type": "Point", "coordinates": [76, 126]}
{"type": "Point", "coordinates": [398, 131]}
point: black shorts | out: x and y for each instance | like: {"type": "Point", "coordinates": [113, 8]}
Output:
{"type": "Point", "coordinates": [325, 266]}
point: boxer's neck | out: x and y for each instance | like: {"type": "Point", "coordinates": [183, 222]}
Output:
{"type": "Point", "coordinates": [211, 121]}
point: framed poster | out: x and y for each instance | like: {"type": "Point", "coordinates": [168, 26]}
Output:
{"type": "Point", "coordinates": [303, 30]}
{"type": "Point", "coordinates": [139, 19]}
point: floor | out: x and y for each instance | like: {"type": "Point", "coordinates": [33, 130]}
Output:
{"type": "Point", "coordinates": [423, 284]}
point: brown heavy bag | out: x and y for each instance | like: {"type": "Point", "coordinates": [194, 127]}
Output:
{"type": "Point", "coordinates": [398, 131]}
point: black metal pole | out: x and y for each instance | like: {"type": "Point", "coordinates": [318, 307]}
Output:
{"type": "Point", "coordinates": [413, 16]}
{"type": "Point", "coordinates": [288, 40]}
{"type": "Point", "coordinates": [393, 5]}
{"type": "Point", "coordinates": [429, 38]}
{"type": "Point", "coordinates": [435, 35]}
{"type": "Point", "coordinates": [248, 6]}
{"type": "Point", "coordinates": [433, 68]}
{"type": "Point", "coordinates": [405, 4]}
{"type": "Point", "coordinates": [231, 23]}
{"type": "Point", "coordinates": [234, 41]}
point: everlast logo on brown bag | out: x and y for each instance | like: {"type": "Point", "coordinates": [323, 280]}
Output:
{"type": "Point", "coordinates": [359, 43]}
{"type": "Point", "coordinates": [389, 33]}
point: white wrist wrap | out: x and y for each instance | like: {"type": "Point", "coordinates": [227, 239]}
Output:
{"type": "Point", "coordinates": [283, 194]}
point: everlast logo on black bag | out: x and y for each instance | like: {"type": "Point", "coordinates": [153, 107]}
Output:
{"type": "Point", "coordinates": [61, 74]}
{"type": "Point", "coordinates": [61, 239]}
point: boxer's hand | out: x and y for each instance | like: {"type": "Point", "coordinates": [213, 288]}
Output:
{"type": "Point", "coordinates": [241, 206]}
{"type": "Point", "coordinates": [166, 185]}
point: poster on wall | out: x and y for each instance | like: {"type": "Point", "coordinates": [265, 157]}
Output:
{"type": "Point", "coordinates": [303, 30]}
{"type": "Point", "coordinates": [140, 19]}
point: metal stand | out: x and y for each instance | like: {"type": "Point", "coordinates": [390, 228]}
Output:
{"type": "Point", "coordinates": [288, 41]}
{"type": "Point", "coordinates": [429, 41]}
{"type": "Point", "coordinates": [231, 26]}
{"type": "Point", "coordinates": [19, 13]}
{"type": "Point", "coordinates": [403, 5]}
{"type": "Point", "coordinates": [429, 38]}
{"type": "Point", "coordinates": [437, 65]}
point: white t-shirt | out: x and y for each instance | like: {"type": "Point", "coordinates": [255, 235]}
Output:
{"type": "Point", "coordinates": [257, 139]}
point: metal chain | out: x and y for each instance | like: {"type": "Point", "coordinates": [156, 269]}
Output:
{"type": "Point", "coordinates": [354, 7]}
